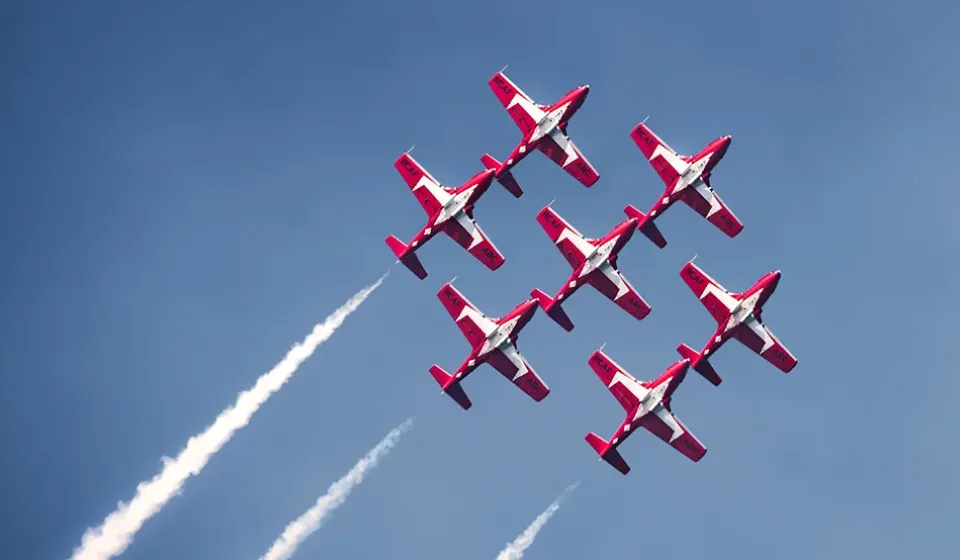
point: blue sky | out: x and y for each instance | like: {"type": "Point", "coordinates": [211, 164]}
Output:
{"type": "Point", "coordinates": [189, 187]}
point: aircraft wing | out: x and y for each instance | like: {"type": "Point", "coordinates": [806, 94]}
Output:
{"type": "Point", "coordinates": [561, 149]}
{"type": "Point", "coordinates": [610, 282]}
{"type": "Point", "coordinates": [665, 160]}
{"type": "Point", "coordinates": [666, 426]}
{"type": "Point", "coordinates": [705, 202]}
{"type": "Point", "coordinates": [618, 381]}
{"type": "Point", "coordinates": [524, 112]}
{"type": "Point", "coordinates": [508, 361]}
{"type": "Point", "coordinates": [465, 231]}
{"type": "Point", "coordinates": [570, 242]}
{"type": "Point", "coordinates": [428, 191]}
{"type": "Point", "coordinates": [473, 324]}
{"type": "Point", "coordinates": [714, 297]}
{"type": "Point", "coordinates": [757, 337]}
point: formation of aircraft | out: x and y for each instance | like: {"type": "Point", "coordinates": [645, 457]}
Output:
{"type": "Point", "coordinates": [493, 340]}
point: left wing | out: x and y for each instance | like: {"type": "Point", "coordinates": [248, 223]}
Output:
{"type": "Point", "coordinates": [559, 148]}
{"type": "Point", "coordinates": [757, 337]}
{"type": "Point", "coordinates": [705, 202]}
{"type": "Point", "coordinates": [473, 324]}
{"type": "Point", "coordinates": [714, 297]}
{"type": "Point", "coordinates": [571, 243]}
{"type": "Point", "coordinates": [429, 192]}
{"type": "Point", "coordinates": [665, 160]}
{"type": "Point", "coordinates": [508, 361]}
{"type": "Point", "coordinates": [610, 282]}
{"type": "Point", "coordinates": [622, 385]}
{"type": "Point", "coordinates": [465, 231]}
{"type": "Point", "coordinates": [524, 112]}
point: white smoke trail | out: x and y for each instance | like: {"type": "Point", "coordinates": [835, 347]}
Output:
{"type": "Point", "coordinates": [116, 533]}
{"type": "Point", "coordinates": [515, 550]}
{"type": "Point", "coordinates": [310, 521]}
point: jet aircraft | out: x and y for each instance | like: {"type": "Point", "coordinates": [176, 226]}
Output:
{"type": "Point", "coordinates": [738, 315]}
{"type": "Point", "coordinates": [594, 262]}
{"type": "Point", "coordinates": [648, 405]}
{"type": "Point", "coordinates": [688, 179]}
{"type": "Point", "coordinates": [544, 128]}
{"type": "Point", "coordinates": [494, 341]}
{"type": "Point", "coordinates": [450, 210]}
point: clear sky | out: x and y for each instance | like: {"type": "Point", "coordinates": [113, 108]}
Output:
{"type": "Point", "coordinates": [190, 186]}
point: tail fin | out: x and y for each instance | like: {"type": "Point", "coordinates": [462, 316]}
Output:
{"type": "Point", "coordinates": [646, 226]}
{"type": "Point", "coordinates": [607, 452]}
{"type": "Point", "coordinates": [553, 309]}
{"type": "Point", "coordinates": [504, 177]}
{"type": "Point", "coordinates": [450, 386]}
{"type": "Point", "coordinates": [700, 364]}
{"type": "Point", "coordinates": [410, 260]}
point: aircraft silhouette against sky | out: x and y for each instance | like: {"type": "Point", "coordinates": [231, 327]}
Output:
{"type": "Point", "coordinates": [544, 128]}
{"type": "Point", "coordinates": [648, 405]}
{"type": "Point", "coordinates": [594, 262]}
{"type": "Point", "coordinates": [739, 316]}
{"type": "Point", "coordinates": [494, 341]}
{"type": "Point", "coordinates": [450, 210]}
{"type": "Point", "coordinates": [688, 179]}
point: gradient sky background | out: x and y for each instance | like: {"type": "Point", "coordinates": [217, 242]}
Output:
{"type": "Point", "coordinates": [190, 186]}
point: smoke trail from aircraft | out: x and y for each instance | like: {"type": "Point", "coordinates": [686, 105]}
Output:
{"type": "Point", "coordinates": [117, 531]}
{"type": "Point", "coordinates": [515, 550]}
{"type": "Point", "coordinates": [302, 527]}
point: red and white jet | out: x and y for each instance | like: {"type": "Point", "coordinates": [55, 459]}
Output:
{"type": "Point", "coordinates": [738, 316]}
{"type": "Point", "coordinates": [594, 262]}
{"type": "Point", "coordinates": [544, 127]}
{"type": "Point", "coordinates": [494, 341]}
{"type": "Point", "coordinates": [687, 179]}
{"type": "Point", "coordinates": [450, 210]}
{"type": "Point", "coordinates": [648, 405]}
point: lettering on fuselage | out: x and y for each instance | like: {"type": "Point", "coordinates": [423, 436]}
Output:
{"type": "Point", "coordinates": [503, 85]}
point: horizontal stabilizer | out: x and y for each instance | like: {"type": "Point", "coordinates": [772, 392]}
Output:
{"type": "Point", "coordinates": [451, 386]}
{"type": "Point", "coordinates": [408, 258]}
{"type": "Point", "coordinates": [503, 176]}
{"type": "Point", "coordinates": [700, 364]}
{"type": "Point", "coordinates": [607, 452]}
{"type": "Point", "coordinates": [552, 309]}
{"type": "Point", "coordinates": [646, 226]}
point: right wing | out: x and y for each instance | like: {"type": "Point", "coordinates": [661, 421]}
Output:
{"type": "Point", "coordinates": [621, 384]}
{"type": "Point", "coordinates": [473, 324]}
{"type": "Point", "coordinates": [524, 112]}
{"type": "Point", "coordinates": [465, 231]}
{"type": "Point", "coordinates": [508, 361]}
{"type": "Point", "coordinates": [610, 282]}
{"type": "Point", "coordinates": [431, 195]}
{"type": "Point", "coordinates": [666, 426]}
{"type": "Point", "coordinates": [707, 203]}
{"type": "Point", "coordinates": [571, 243]}
{"type": "Point", "coordinates": [561, 149]}
{"type": "Point", "coordinates": [757, 337]}
{"type": "Point", "coordinates": [714, 297]}
{"type": "Point", "coordinates": [665, 161]}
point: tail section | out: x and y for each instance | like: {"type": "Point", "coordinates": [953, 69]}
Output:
{"type": "Point", "coordinates": [504, 176]}
{"type": "Point", "coordinates": [451, 386]}
{"type": "Point", "coordinates": [409, 259]}
{"type": "Point", "coordinates": [700, 364]}
{"type": "Point", "coordinates": [646, 226]}
{"type": "Point", "coordinates": [607, 452]}
{"type": "Point", "coordinates": [553, 309]}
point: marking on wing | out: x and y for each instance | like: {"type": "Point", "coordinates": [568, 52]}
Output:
{"type": "Point", "coordinates": [512, 354]}
{"type": "Point", "coordinates": [672, 158]}
{"type": "Point", "coordinates": [486, 325]}
{"type": "Point", "coordinates": [757, 327]}
{"type": "Point", "coordinates": [577, 239]}
{"type": "Point", "coordinates": [434, 189]}
{"type": "Point", "coordinates": [564, 142]}
{"type": "Point", "coordinates": [619, 281]}
{"type": "Point", "coordinates": [668, 419]}
{"type": "Point", "coordinates": [708, 195]}
{"type": "Point", "coordinates": [471, 228]}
